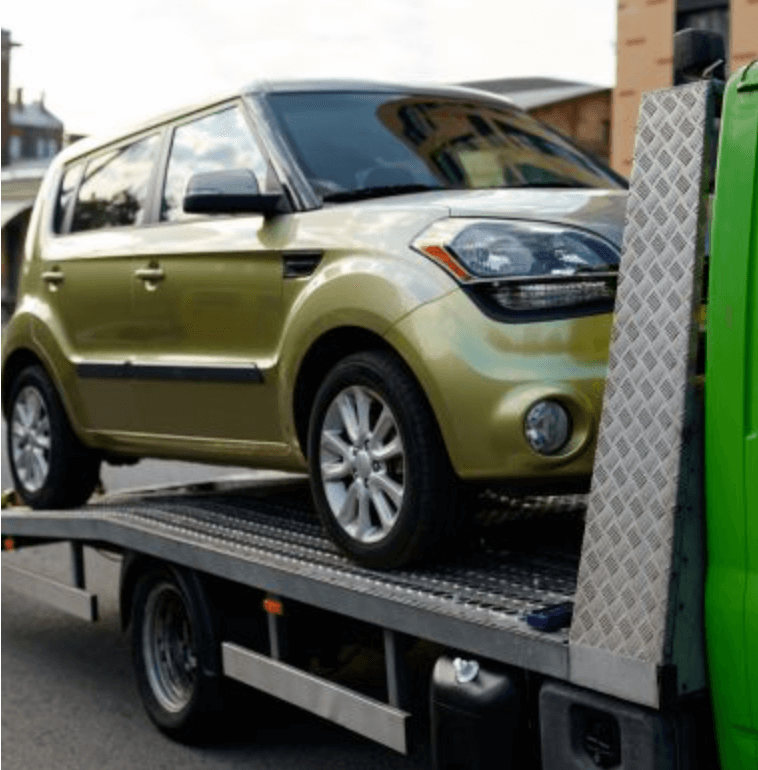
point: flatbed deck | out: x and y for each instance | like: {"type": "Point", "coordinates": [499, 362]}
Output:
{"type": "Point", "coordinates": [516, 560]}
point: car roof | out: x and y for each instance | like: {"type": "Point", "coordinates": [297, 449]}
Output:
{"type": "Point", "coordinates": [263, 87]}
{"type": "Point", "coordinates": [348, 85]}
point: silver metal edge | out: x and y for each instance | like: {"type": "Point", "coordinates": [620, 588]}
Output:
{"type": "Point", "coordinates": [607, 672]}
{"type": "Point", "coordinates": [365, 716]}
{"type": "Point", "coordinates": [543, 653]}
{"type": "Point", "coordinates": [74, 601]}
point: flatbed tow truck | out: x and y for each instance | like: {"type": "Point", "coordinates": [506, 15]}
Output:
{"type": "Point", "coordinates": [569, 632]}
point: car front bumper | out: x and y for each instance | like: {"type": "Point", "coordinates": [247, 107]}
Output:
{"type": "Point", "coordinates": [482, 376]}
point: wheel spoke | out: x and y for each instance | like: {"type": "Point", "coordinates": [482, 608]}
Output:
{"type": "Point", "coordinates": [392, 489]}
{"type": "Point", "coordinates": [363, 406]}
{"type": "Point", "coordinates": [388, 451]}
{"type": "Point", "coordinates": [33, 409]}
{"type": "Point", "coordinates": [35, 470]}
{"type": "Point", "coordinates": [347, 411]}
{"type": "Point", "coordinates": [335, 471]}
{"type": "Point", "coordinates": [362, 525]}
{"type": "Point", "coordinates": [39, 460]}
{"type": "Point", "coordinates": [24, 410]}
{"type": "Point", "coordinates": [331, 442]}
{"type": "Point", "coordinates": [386, 515]}
{"type": "Point", "coordinates": [384, 424]}
{"type": "Point", "coordinates": [23, 465]}
{"type": "Point", "coordinates": [42, 440]}
{"type": "Point", "coordinates": [349, 509]}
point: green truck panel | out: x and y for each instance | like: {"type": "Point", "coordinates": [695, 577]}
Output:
{"type": "Point", "coordinates": [732, 429]}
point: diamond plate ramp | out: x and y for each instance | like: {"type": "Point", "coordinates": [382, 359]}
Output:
{"type": "Point", "coordinates": [643, 513]}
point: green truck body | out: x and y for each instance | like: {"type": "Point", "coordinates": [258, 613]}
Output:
{"type": "Point", "coordinates": [732, 429]}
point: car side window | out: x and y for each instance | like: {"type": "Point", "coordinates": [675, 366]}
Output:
{"type": "Point", "coordinates": [114, 191]}
{"type": "Point", "coordinates": [218, 142]}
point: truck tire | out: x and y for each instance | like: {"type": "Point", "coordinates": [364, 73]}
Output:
{"type": "Point", "coordinates": [51, 468]}
{"type": "Point", "coordinates": [176, 653]}
{"type": "Point", "coordinates": [381, 479]}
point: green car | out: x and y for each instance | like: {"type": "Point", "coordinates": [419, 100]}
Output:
{"type": "Point", "coordinates": [402, 290]}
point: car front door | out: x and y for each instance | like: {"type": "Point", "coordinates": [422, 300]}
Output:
{"type": "Point", "coordinates": [208, 305]}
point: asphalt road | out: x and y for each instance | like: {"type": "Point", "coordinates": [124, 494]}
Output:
{"type": "Point", "coordinates": [69, 702]}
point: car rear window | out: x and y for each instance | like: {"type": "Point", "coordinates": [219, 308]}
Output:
{"type": "Point", "coordinates": [114, 190]}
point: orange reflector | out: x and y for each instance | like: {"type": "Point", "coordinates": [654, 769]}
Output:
{"type": "Point", "coordinates": [438, 253]}
{"type": "Point", "coordinates": [273, 606]}
{"type": "Point", "coordinates": [9, 544]}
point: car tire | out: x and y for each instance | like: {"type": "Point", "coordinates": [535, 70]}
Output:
{"type": "Point", "coordinates": [381, 479]}
{"type": "Point", "coordinates": [51, 468]}
{"type": "Point", "coordinates": [176, 653]}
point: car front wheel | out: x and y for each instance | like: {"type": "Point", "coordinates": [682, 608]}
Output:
{"type": "Point", "coordinates": [381, 479]}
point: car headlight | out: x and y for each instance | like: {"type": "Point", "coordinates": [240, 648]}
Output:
{"type": "Point", "coordinates": [514, 267]}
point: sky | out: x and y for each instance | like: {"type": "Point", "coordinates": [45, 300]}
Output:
{"type": "Point", "coordinates": [102, 64]}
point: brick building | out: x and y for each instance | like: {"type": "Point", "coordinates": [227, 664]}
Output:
{"type": "Point", "coordinates": [645, 53]}
{"type": "Point", "coordinates": [31, 136]}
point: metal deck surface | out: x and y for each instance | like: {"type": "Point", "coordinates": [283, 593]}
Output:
{"type": "Point", "coordinates": [518, 558]}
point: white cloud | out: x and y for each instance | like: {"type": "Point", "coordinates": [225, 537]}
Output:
{"type": "Point", "coordinates": [102, 64]}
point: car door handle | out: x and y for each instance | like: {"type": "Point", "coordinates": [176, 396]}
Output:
{"type": "Point", "coordinates": [150, 274]}
{"type": "Point", "coordinates": [53, 278]}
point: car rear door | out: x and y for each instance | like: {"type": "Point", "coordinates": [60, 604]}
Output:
{"type": "Point", "coordinates": [88, 277]}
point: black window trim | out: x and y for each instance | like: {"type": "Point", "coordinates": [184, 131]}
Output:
{"type": "Point", "coordinates": [292, 177]}
{"type": "Point", "coordinates": [80, 164]}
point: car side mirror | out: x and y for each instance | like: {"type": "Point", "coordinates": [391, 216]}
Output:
{"type": "Point", "coordinates": [234, 191]}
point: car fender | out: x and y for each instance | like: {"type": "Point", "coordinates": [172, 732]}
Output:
{"type": "Point", "coordinates": [368, 291]}
{"type": "Point", "coordinates": [27, 331]}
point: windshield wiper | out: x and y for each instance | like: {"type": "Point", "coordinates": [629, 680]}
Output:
{"type": "Point", "coordinates": [378, 192]}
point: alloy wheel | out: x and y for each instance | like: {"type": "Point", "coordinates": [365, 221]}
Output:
{"type": "Point", "coordinates": [362, 461]}
{"type": "Point", "coordinates": [30, 439]}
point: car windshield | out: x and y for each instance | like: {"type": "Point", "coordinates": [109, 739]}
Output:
{"type": "Point", "coordinates": [358, 144]}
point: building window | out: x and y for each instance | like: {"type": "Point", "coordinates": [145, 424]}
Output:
{"type": "Point", "coordinates": [15, 147]}
{"type": "Point", "coordinates": [709, 15]}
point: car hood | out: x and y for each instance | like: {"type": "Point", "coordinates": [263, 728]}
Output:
{"type": "Point", "coordinates": [601, 211]}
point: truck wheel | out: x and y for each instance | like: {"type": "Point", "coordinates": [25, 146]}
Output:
{"type": "Point", "coordinates": [381, 479]}
{"type": "Point", "coordinates": [175, 652]}
{"type": "Point", "coordinates": [51, 468]}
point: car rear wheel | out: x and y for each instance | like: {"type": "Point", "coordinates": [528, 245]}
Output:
{"type": "Point", "coordinates": [51, 468]}
{"type": "Point", "coordinates": [380, 476]}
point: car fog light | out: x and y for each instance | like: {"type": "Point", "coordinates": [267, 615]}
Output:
{"type": "Point", "coordinates": [547, 427]}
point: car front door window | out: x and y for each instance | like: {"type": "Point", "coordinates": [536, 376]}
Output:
{"type": "Point", "coordinates": [218, 142]}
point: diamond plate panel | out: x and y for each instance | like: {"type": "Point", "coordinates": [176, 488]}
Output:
{"type": "Point", "coordinates": [628, 552]}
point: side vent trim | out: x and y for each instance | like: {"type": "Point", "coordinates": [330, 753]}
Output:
{"type": "Point", "coordinates": [301, 264]}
